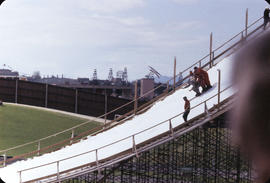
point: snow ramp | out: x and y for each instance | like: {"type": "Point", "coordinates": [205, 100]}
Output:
{"type": "Point", "coordinates": [122, 141]}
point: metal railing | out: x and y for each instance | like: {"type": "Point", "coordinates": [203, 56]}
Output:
{"type": "Point", "coordinates": [131, 138]}
{"type": "Point", "coordinates": [206, 62]}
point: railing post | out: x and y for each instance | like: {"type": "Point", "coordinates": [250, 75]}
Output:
{"type": "Point", "coordinates": [210, 49]}
{"type": "Point", "coordinates": [46, 96]}
{"type": "Point", "coordinates": [246, 27]}
{"type": "Point", "coordinates": [134, 148]}
{"type": "Point", "coordinates": [76, 100]}
{"type": "Point", "coordinates": [219, 80]}
{"type": "Point", "coordinates": [106, 107]}
{"type": "Point", "coordinates": [58, 173]}
{"type": "Point", "coordinates": [174, 74]}
{"type": "Point", "coordinates": [16, 91]}
{"type": "Point", "coordinates": [72, 136]}
{"type": "Point", "coordinates": [20, 176]}
{"type": "Point", "coordinates": [5, 159]}
{"type": "Point", "coordinates": [38, 153]}
{"type": "Point", "coordinates": [168, 84]}
{"type": "Point", "coordinates": [200, 64]}
{"type": "Point", "coordinates": [135, 97]}
{"type": "Point", "coordinates": [170, 127]}
{"type": "Point", "coordinates": [97, 162]}
{"type": "Point", "coordinates": [205, 108]}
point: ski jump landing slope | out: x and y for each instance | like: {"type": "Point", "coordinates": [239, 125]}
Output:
{"type": "Point", "coordinates": [161, 111]}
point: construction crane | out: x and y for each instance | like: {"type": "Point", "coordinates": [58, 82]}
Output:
{"type": "Point", "coordinates": [152, 73]}
{"type": "Point", "coordinates": [110, 77]}
{"type": "Point", "coordinates": [7, 66]}
{"type": "Point", "coordinates": [95, 75]}
{"type": "Point", "coordinates": [123, 75]}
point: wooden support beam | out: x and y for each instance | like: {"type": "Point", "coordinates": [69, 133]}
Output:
{"type": "Point", "coordinates": [38, 153]}
{"type": "Point", "coordinates": [105, 107]}
{"type": "Point", "coordinates": [46, 95]}
{"type": "Point", "coordinates": [97, 162]}
{"type": "Point", "coordinates": [16, 91]}
{"type": "Point", "coordinates": [171, 128]}
{"type": "Point", "coordinates": [5, 159]}
{"type": "Point", "coordinates": [72, 135]}
{"type": "Point", "coordinates": [135, 97]}
{"type": "Point", "coordinates": [246, 24]}
{"type": "Point", "coordinates": [219, 80]}
{"type": "Point", "coordinates": [174, 73]}
{"type": "Point", "coordinates": [134, 148]}
{"type": "Point", "coordinates": [206, 108]}
{"type": "Point", "coordinates": [211, 49]}
{"type": "Point", "coordinates": [76, 100]}
{"type": "Point", "coordinates": [58, 172]}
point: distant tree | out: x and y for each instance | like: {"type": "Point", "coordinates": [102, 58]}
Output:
{"type": "Point", "coordinates": [36, 75]}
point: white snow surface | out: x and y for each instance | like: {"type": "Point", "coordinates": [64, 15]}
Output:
{"type": "Point", "coordinates": [161, 111]}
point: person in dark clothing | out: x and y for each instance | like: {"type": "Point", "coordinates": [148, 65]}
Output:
{"type": "Point", "coordinates": [266, 17]}
{"type": "Point", "coordinates": [187, 108]}
{"type": "Point", "coordinates": [1, 1]}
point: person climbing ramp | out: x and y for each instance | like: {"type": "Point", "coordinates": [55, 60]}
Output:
{"type": "Point", "coordinates": [187, 108]}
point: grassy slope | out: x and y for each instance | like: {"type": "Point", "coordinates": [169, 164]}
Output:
{"type": "Point", "coordinates": [20, 125]}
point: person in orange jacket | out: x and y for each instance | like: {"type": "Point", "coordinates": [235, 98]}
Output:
{"type": "Point", "coordinates": [203, 78]}
{"type": "Point", "coordinates": [187, 108]}
{"type": "Point", "coordinates": [199, 77]}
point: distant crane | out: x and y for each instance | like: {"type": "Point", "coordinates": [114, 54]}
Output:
{"type": "Point", "coordinates": [10, 68]}
{"type": "Point", "coordinates": [110, 77]}
{"type": "Point", "coordinates": [152, 73]}
{"type": "Point", "coordinates": [95, 75]}
{"type": "Point", "coordinates": [5, 65]}
{"type": "Point", "coordinates": [123, 75]}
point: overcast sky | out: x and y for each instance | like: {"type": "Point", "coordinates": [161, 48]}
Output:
{"type": "Point", "coordinates": [74, 37]}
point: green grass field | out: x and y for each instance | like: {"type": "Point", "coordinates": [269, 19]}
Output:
{"type": "Point", "coordinates": [19, 125]}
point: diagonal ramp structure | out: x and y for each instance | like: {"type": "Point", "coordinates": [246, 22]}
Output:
{"type": "Point", "coordinates": [150, 136]}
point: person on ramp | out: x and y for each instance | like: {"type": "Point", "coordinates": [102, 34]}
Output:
{"type": "Point", "coordinates": [266, 17]}
{"type": "Point", "coordinates": [203, 78]}
{"type": "Point", "coordinates": [195, 85]}
{"type": "Point", "coordinates": [187, 108]}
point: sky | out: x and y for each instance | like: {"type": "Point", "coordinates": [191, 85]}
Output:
{"type": "Point", "coordinates": [74, 37]}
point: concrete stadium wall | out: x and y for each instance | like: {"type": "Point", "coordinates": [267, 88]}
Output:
{"type": "Point", "coordinates": [61, 98]}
